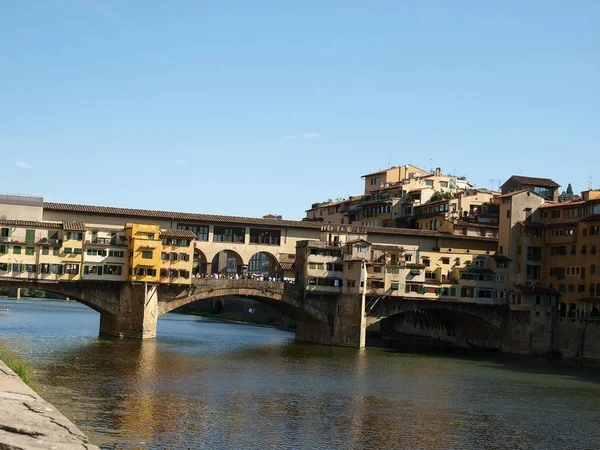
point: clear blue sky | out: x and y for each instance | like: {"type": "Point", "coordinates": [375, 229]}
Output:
{"type": "Point", "coordinates": [256, 107]}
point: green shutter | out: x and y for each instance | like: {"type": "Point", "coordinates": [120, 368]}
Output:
{"type": "Point", "coordinates": [30, 236]}
{"type": "Point", "coordinates": [86, 270]}
{"type": "Point", "coordinates": [9, 267]}
{"type": "Point", "coordinates": [453, 292]}
{"type": "Point", "coordinates": [119, 269]}
{"type": "Point", "coordinates": [100, 270]}
{"type": "Point", "coordinates": [68, 235]}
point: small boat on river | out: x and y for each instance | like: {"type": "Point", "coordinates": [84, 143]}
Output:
{"type": "Point", "coordinates": [6, 308]}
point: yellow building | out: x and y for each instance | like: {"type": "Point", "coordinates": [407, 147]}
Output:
{"type": "Point", "coordinates": [144, 245]}
{"type": "Point", "coordinates": [176, 257]}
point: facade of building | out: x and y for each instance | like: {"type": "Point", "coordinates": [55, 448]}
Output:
{"type": "Point", "coordinates": [418, 264]}
{"type": "Point", "coordinates": [75, 251]}
{"type": "Point", "coordinates": [545, 187]}
{"type": "Point", "coordinates": [390, 198]}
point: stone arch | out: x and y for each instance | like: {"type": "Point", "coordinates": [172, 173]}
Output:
{"type": "Point", "coordinates": [200, 262]}
{"type": "Point", "coordinates": [227, 261]}
{"type": "Point", "coordinates": [264, 263]}
{"type": "Point", "coordinates": [489, 316]}
{"type": "Point", "coordinates": [460, 326]}
{"type": "Point", "coordinates": [270, 293]}
{"type": "Point", "coordinates": [102, 297]}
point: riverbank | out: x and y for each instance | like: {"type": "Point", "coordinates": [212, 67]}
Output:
{"type": "Point", "coordinates": [29, 422]}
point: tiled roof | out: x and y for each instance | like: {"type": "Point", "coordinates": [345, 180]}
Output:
{"type": "Point", "coordinates": [417, 232]}
{"type": "Point", "coordinates": [592, 218]}
{"type": "Point", "coordinates": [73, 225]}
{"type": "Point", "coordinates": [387, 247]}
{"type": "Point", "coordinates": [501, 258]}
{"type": "Point", "coordinates": [177, 234]}
{"type": "Point", "coordinates": [531, 224]}
{"type": "Point", "coordinates": [533, 181]}
{"type": "Point", "coordinates": [569, 203]}
{"type": "Point", "coordinates": [510, 194]}
{"type": "Point", "coordinates": [483, 270]}
{"type": "Point", "coordinates": [533, 289]}
{"type": "Point", "coordinates": [128, 212]}
{"type": "Point", "coordinates": [31, 224]}
{"type": "Point", "coordinates": [462, 223]}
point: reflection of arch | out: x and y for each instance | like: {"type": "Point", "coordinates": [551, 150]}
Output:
{"type": "Point", "coordinates": [264, 263]}
{"type": "Point", "coordinates": [200, 264]}
{"type": "Point", "coordinates": [227, 262]}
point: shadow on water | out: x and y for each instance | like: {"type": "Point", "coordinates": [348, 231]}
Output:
{"type": "Point", "coordinates": [583, 371]}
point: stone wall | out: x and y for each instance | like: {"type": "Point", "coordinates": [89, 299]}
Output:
{"type": "Point", "coordinates": [29, 422]}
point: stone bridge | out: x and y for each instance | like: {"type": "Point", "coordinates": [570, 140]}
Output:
{"type": "Point", "coordinates": [131, 309]}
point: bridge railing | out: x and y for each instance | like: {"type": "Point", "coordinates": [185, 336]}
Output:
{"type": "Point", "coordinates": [213, 283]}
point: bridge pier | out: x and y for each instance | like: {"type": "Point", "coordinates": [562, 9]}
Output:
{"type": "Point", "coordinates": [14, 293]}
{"type": "Point", "coordinates": [137, 313]}
{"type": "Point", "coordinates": [346, 326]}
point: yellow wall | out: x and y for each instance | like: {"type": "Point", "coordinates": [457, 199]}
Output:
{"type": "Point", "coordinates": [144, 238]}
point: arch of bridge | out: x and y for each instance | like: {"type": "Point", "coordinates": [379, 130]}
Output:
{"type": "Point", "coordinates": [273, 294]}
{"type": "Point", "coordinates": [490, 316]}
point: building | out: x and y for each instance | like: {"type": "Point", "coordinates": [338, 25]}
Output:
{"type": "Point", "coordinates": [419, 264]}
{"type": "Point", "coordinates": [389, 199]}
{"type": "Point", "coordinates": [545, 187]}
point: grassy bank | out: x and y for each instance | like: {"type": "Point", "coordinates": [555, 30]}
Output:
{"type": "Point", "coordinates": [18, 366]}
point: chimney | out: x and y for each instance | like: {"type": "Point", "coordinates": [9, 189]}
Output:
{"type": "Point", "coordinates": [438, 171]}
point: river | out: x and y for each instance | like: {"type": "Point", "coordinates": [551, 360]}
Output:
{"type": "Point", "coordinates": [204, 384]}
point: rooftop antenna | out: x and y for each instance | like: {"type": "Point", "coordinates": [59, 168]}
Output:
{"type": "Point", "coordinates": [389, 160]}
{"type": "Point", "coordinates": [520, 171]}
{"type": "Point", "coordinates": [431, 165]}
{"type": "Point", "coordinates": [590, 182]}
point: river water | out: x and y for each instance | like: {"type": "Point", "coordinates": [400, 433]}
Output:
{"type": "Point", "coordinates": [204, 384]}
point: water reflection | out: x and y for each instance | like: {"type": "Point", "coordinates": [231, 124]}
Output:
{"type": "Point", "coordinates": [211, 385]}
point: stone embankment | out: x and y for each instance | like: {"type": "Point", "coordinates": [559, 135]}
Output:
{"type": "Point", "coordinates": [29, 422]}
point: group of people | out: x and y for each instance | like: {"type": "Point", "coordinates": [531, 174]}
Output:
{"type": "Point", "coordinates": [236, 276]}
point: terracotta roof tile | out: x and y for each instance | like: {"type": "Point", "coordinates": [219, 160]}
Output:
{"type": "Point", "coordinates": [31, 224]}
{"type": "Point", "coordinates": [128, 212]}
{"type": "Point", "coordinates": [533, 181]}
{"type": "Point", "coordinates": [177, 234]}
{"type": "Point", "coordinates": [73, 225]}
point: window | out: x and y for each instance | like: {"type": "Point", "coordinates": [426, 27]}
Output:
{"type": "Point", "coordinates": [150, 236]}
{"type": "Point", "coordinates": [77, 251]}
{"type": "Point", "coordinates": [74, 236]}
{"type": "Point", "coordinates": [393, 270]}
{"type": "Point", "coordinates": [16, 250]}
{"type": "Point", "coordinates": [593, 268]}
{"type": "Point", "coordinates": [227, 234]}
{"type": "Point", "coordinates": [45, 268]}
{"type": "Point", "coordinates": [113, 270]}
{"type": "Point", "coordinates": [5, 232]}
{"type": "Point", "coordinates": [92, 252]}
{"type": "Point", "coordinates": [443, 184]}
{"type": "Point", "coordinates": [56, 251]}
{"type": "Point", "coordinates": [361, 248]}
{"type": "Point", "coordinates": [184, 257]}
{"type": "Point", "coordinates": [377, 269]}
{"type": "Point", "coordinates": [17, 268]}
{"type": "Point", "coordinates": [147, 255]}
{"type": "Point", "coordinates": [407, 258]}
{"type": "Point", "coordinates": [72, 269]}
{"type": "Point", "coordinates": [3, 248]}
{"type": "Point", "coordinates": [29, 251]}
{"type": "Point", "coordinates": [430, 275]}
{"type": "Point", "coordinates": [67, 250]}
{"type": "Point", "coordinates": [315, 266]}
{"type": "Point", "coordinates": [265, 237]}
{"type": "Point", "coordinates": [163, 256]}
{"type": "Point", "coordinates": [116, 254]}
{"type": "Point", "coordinates": [30, 236]}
